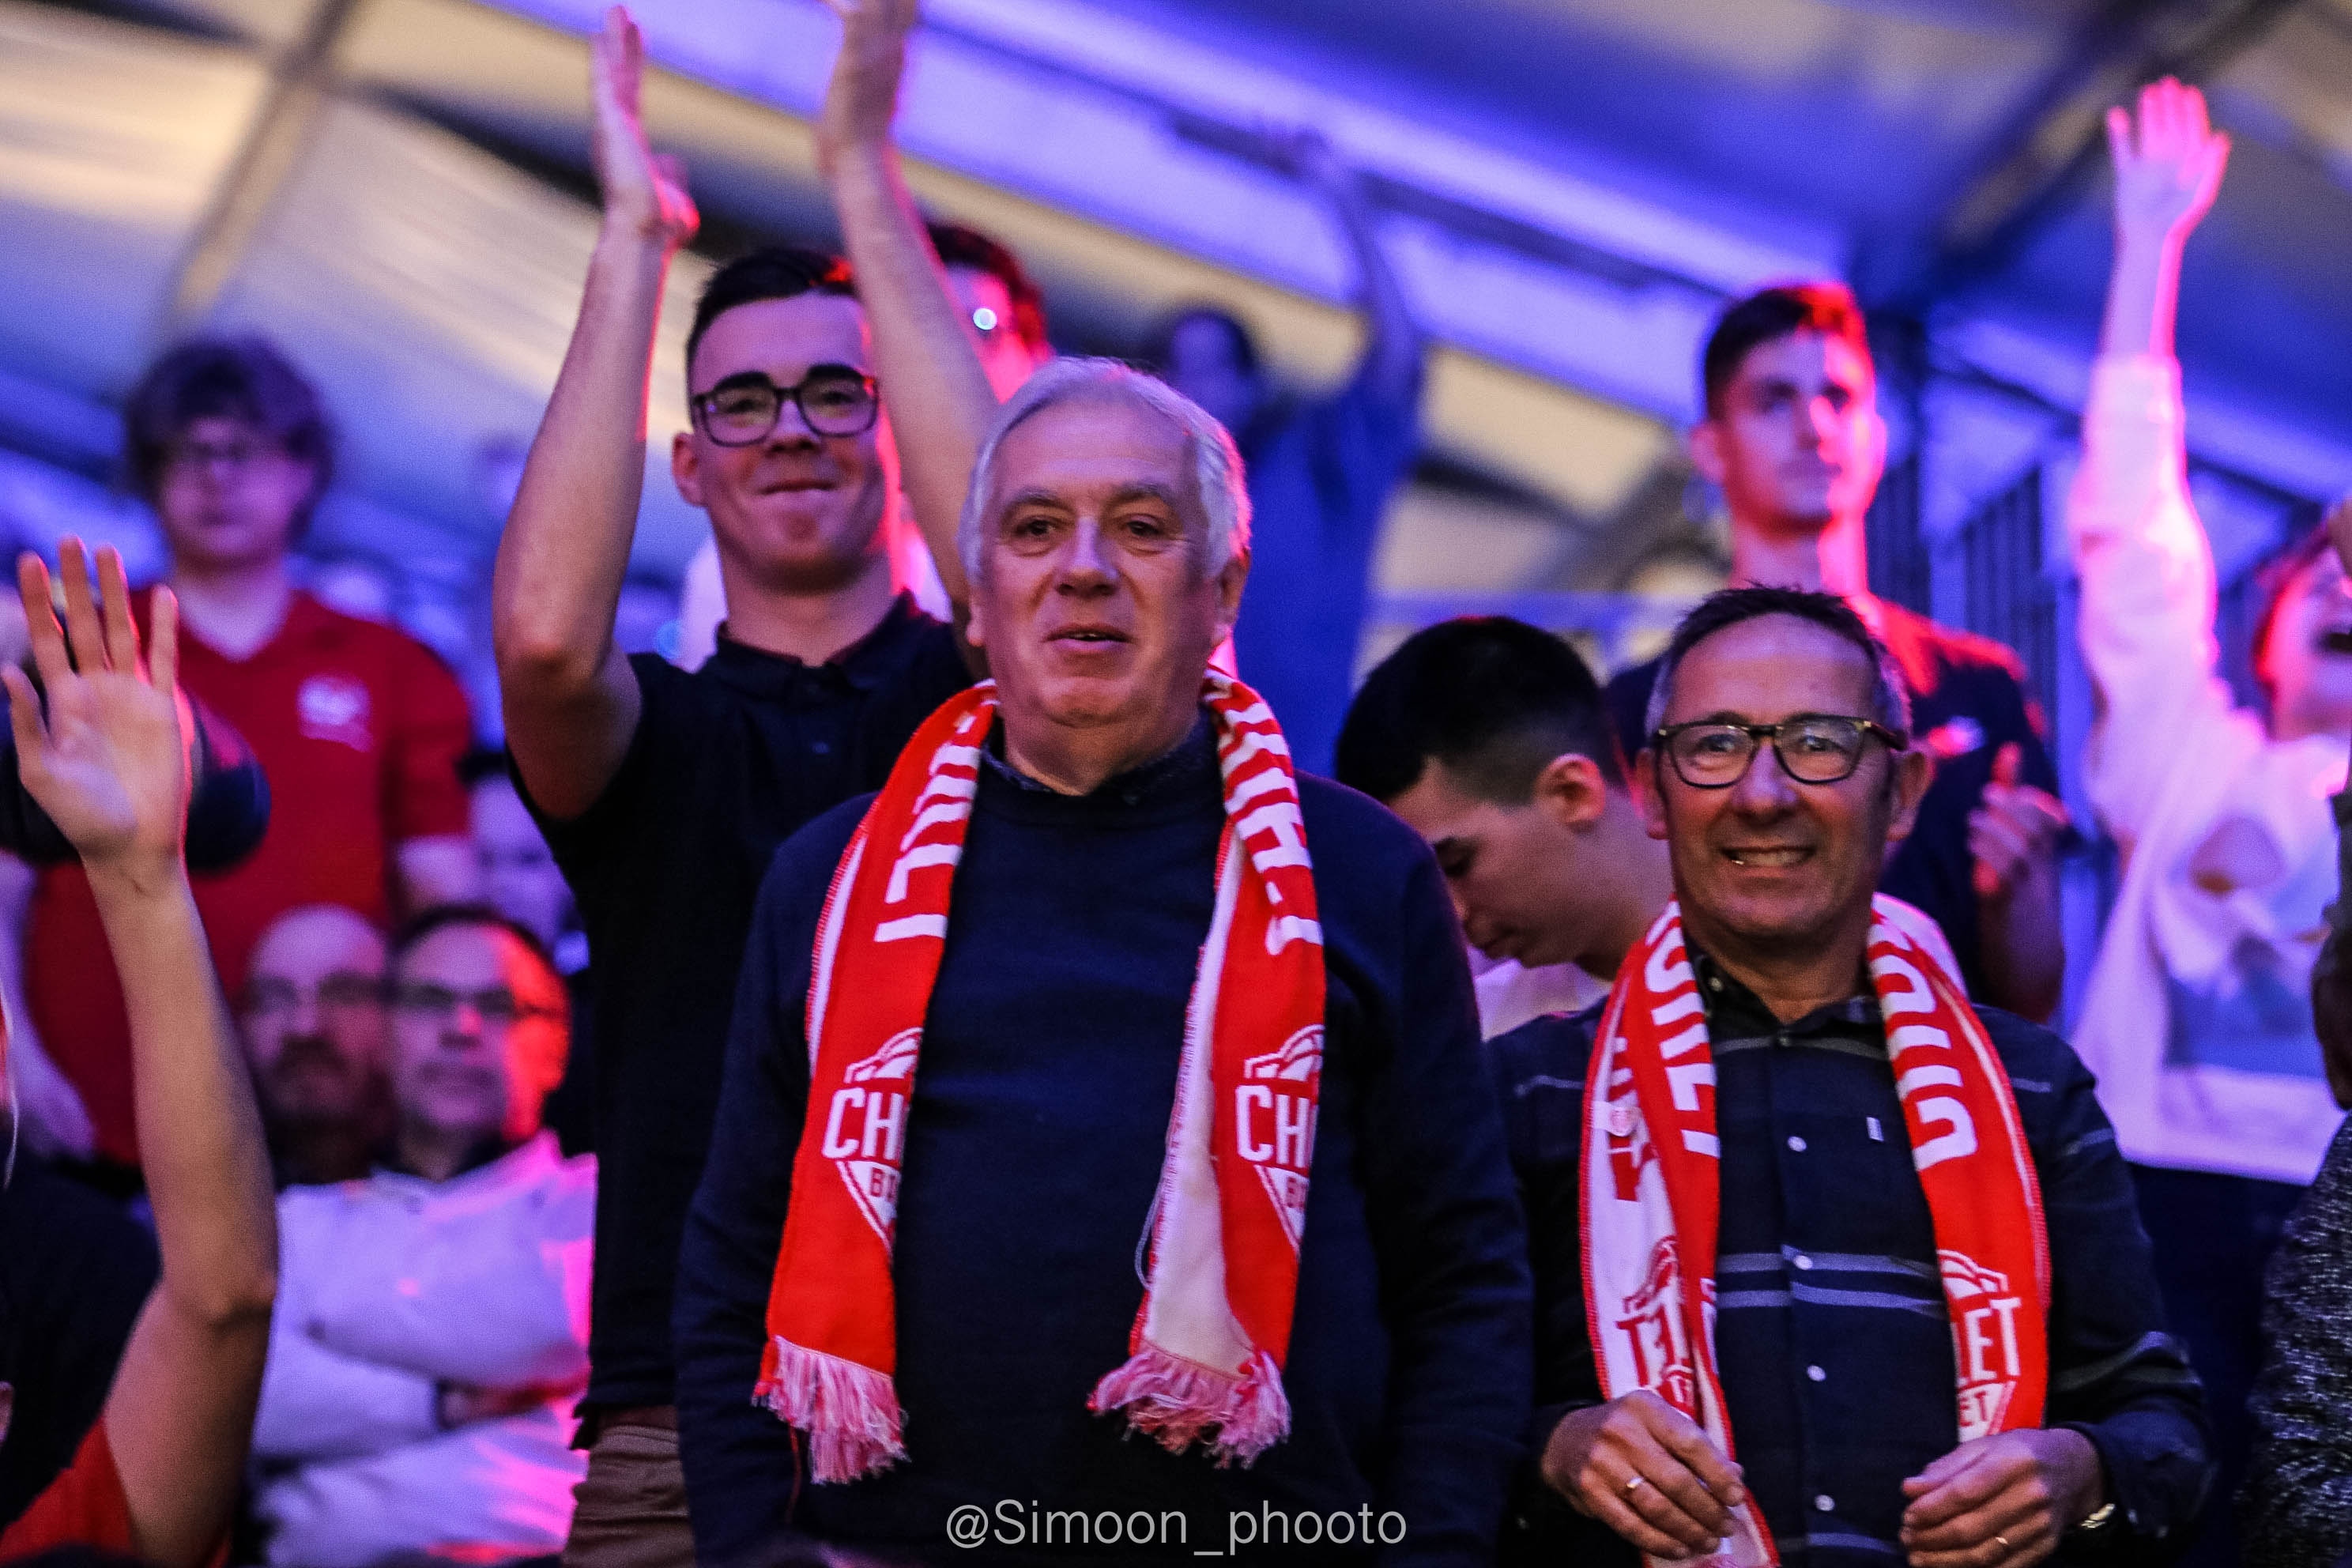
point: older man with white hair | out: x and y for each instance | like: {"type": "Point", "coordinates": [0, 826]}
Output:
{"type": "Point", "coordinates": [1063, 1010]}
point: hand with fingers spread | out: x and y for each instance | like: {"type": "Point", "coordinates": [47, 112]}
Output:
{"type": "Point", "coordinates": [862, 99]}
{"type": "Point", "coordinates": [2002, 1501]}
{"type": "Point", "coordinates": [109, 761]}
{"type": "Point", "coordinates": [2168, 162]}
{"type": "Point", "coordinates": [1648, 1472]}
{"type": "Point", "coordinates": [645, 193]}
{"type": "Point", "coordinates": [2014, 829]}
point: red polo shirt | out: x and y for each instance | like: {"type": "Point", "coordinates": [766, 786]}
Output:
{"type": "Point", "coordinates": [359, 728]}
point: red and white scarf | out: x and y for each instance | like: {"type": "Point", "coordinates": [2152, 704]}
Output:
{"type": "Point", "coordinates": [1206, 1355]}
{"type": "Point", "coordinates": [1652, 1196]}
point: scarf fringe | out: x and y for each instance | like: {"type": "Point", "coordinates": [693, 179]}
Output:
{"type": "Point", "coordinates": [1175, 1401]}
{"type": "Point", "coordinates": [850, 1412]}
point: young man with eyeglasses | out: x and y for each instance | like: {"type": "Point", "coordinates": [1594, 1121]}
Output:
{"type": "Point", "coordinates": [1793, 437]}
{"type": "Point", "coordinates": [1831, 1266]}
{"type": "Point", "coordinates": [428, 1346]}
{"type": "Point", "coordinates": [357, 726]}
{"type": "Point", "coordinates": [664, 793]}
{"type": "Point", "coordinates": [314, 1021]}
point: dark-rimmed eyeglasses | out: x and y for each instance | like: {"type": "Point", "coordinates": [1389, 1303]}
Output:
{"type": "Point", "coordinates": [1813, 747]}
{"type": "Point", "coordinates": [499, 1007]}
{"type": "Point", "coordinates": [269, 996]}
{"type": "Point", "coordinates": [743, 410]}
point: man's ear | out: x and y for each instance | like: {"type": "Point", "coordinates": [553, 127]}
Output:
{"type": "Point", "coordinates": [1706, 450]}
{"type": "Point", "coordinates": [1912, 771]}
{"type": "Point", "coordinates": [1643, 782]}
{"type": "Point", "coordinates": [1232, 577]}
{"type": "Point", "coordinates": [1572, 791]}
{"type": "Point", "coordinates": [686, 468]}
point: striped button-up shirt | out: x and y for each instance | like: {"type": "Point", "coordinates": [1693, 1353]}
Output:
{"type": "Point", "coordinates": [1832, 1338]}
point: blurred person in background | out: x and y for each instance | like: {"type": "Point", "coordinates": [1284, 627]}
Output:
{"type": "Point", "coordinates": [2198, 1017]}
{"type": "Point", "coordinates": [313, 1022]}
{"type": "Point", "coordinates": [664, 793]}
{"type": "Point", "coordinates": [1007, 312]}
{"type": "Point", "coordinates": [358, 726]}
{"type": "Point", "coordinates": [2295, 1508]}
{"type": "Point", "coordinates": [128, 1408]}
{"type": "Point", "coordinates": [522, 880]}
{"type": "Point", "coordinates": [1490, 738]}
{"type": "Point", "coordinates": [1793, 437]}
{"type": "Point", "coordinates": [1321, 473]}
{"type": "Point", "coordinates": [432, 1323]}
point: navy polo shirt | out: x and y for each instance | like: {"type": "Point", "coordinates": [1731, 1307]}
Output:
{"type": "Point", "coordinates": [726, 762]}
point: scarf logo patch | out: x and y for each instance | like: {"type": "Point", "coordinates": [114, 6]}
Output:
{"type": "Point", "coordinates": [865, 1128]}
{"type": "Point", "coordinates": [1274, 1116]}
{"type": "Point", "coordinates": [1984, 1341]}
{"type": "Point", "coordinates": [1652, 1316]}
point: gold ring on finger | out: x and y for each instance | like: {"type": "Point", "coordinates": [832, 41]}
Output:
{"type": "Point", "coordinates": [2002, 1542]}
{"type": "Point", "coordinates": [1633, 1485]}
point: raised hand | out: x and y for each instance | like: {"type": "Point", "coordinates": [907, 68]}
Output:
{"type": "Point", "coordinates": [645, 194]}
{"type": "Point", "coordinates": [2169, 163]}
{"type": "Point", "coordinates": [2014, 829]}
{"type": "Point", "coordinates": [862, 99]}
{"type": "Point", "coordinates": [109, 762]}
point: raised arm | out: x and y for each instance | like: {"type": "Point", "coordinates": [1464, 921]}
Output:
{"type": "Point", "coordinates": [572, 701]}
{"type": "Point", "coordinates": [2168, 170]}
{"type": "Point", "coordinates": [1394, 343]}
{"type": "Point", "coordinates": [108, 764]}
{"type": "Point", "coordinates": [2147, 621]}
{"type": "Point", "coordinates": [925, 354]}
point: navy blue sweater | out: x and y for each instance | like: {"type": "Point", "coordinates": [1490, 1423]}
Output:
{"type": "Point", "coordinates": [1034, 1148]}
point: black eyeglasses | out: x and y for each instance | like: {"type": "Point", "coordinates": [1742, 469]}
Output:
{"type": "Point", "coordinates": [743, 410]}
{"type": "Point", "coordinates": [1813, 747]}
{"type": "Point", "coordinates": [499, 1008]}
{"type": "Point", "coordinates": [268, 997]}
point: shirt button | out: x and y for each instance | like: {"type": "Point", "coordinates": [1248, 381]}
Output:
{"type": "Point", "coordinates": [1825, 1502]}
{"type": "Point", "coordinates": [1817, 1375]}
{"type": "Point", "coordinates": [1798, 1144]}
{"type": "Point", "coordinates": [1803, 1261]}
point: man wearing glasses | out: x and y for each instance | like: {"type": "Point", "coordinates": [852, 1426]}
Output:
{"type": "Point", "coordinates": [428, 1345]}
{"type": "Point", "coordinates": [664, 793]}
{"type": "Point", "coordinates": [1831, 1265]}
{"type": "Point", "coordinates": [314, 1023]}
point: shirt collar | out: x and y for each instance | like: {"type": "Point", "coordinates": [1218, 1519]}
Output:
{"type": "Point", "coordinates": [869, 662]}
{"type": "Point", "coordinates": [1734, 1012]}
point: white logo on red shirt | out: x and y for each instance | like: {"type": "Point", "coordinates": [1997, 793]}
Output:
{"type": "Point", "coordinates": [335, 708]}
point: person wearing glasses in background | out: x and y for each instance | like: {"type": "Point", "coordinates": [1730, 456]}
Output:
{"type": "Point", "coordinates": [358, 726]}
{"type": "Point", "coordinates": [313, 1022]}
{"type": "Point", "coordinates": [1864, 1275]}
{"type": "Point", "coordinates": [430, 1336]}
{"type": "Point", "coordinates": [663, 793]}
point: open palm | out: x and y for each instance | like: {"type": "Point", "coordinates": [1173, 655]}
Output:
{"type": "Point", "coordinates": [2168, 161]}
{"type": "Point", "coordinates": [642, 190]}
{"type": "Point", "coordinates": [109, 761]}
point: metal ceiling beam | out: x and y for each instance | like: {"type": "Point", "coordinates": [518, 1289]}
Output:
{"type": "Point", "coordinates": [301, 81]}
{"type": "Point", "coordinates": [2052, 143]}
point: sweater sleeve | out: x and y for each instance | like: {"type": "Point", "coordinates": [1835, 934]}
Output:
{"type": "Point", "coordinates": [2147, 618]}
{"type": "Point", "coordinates": [316, 1403]}
{"type": "Point", "coordinates": [2296, 1507]}
{"type": "Point", "coordinates": [1453, 1251]}
{"type": "Point", "coordinates": [488, 1300]}
{"type": "Point", "coordinates": [742, 1464]}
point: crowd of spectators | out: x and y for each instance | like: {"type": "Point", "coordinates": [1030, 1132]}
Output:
{"type": "Point", "coordinates": [1747, 1209]}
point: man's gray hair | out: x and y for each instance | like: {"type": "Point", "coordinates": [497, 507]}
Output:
{"type": "Point", "coordinates": [1891, 700]}
{"type": "Point", "coordinates": [1216, 462]}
